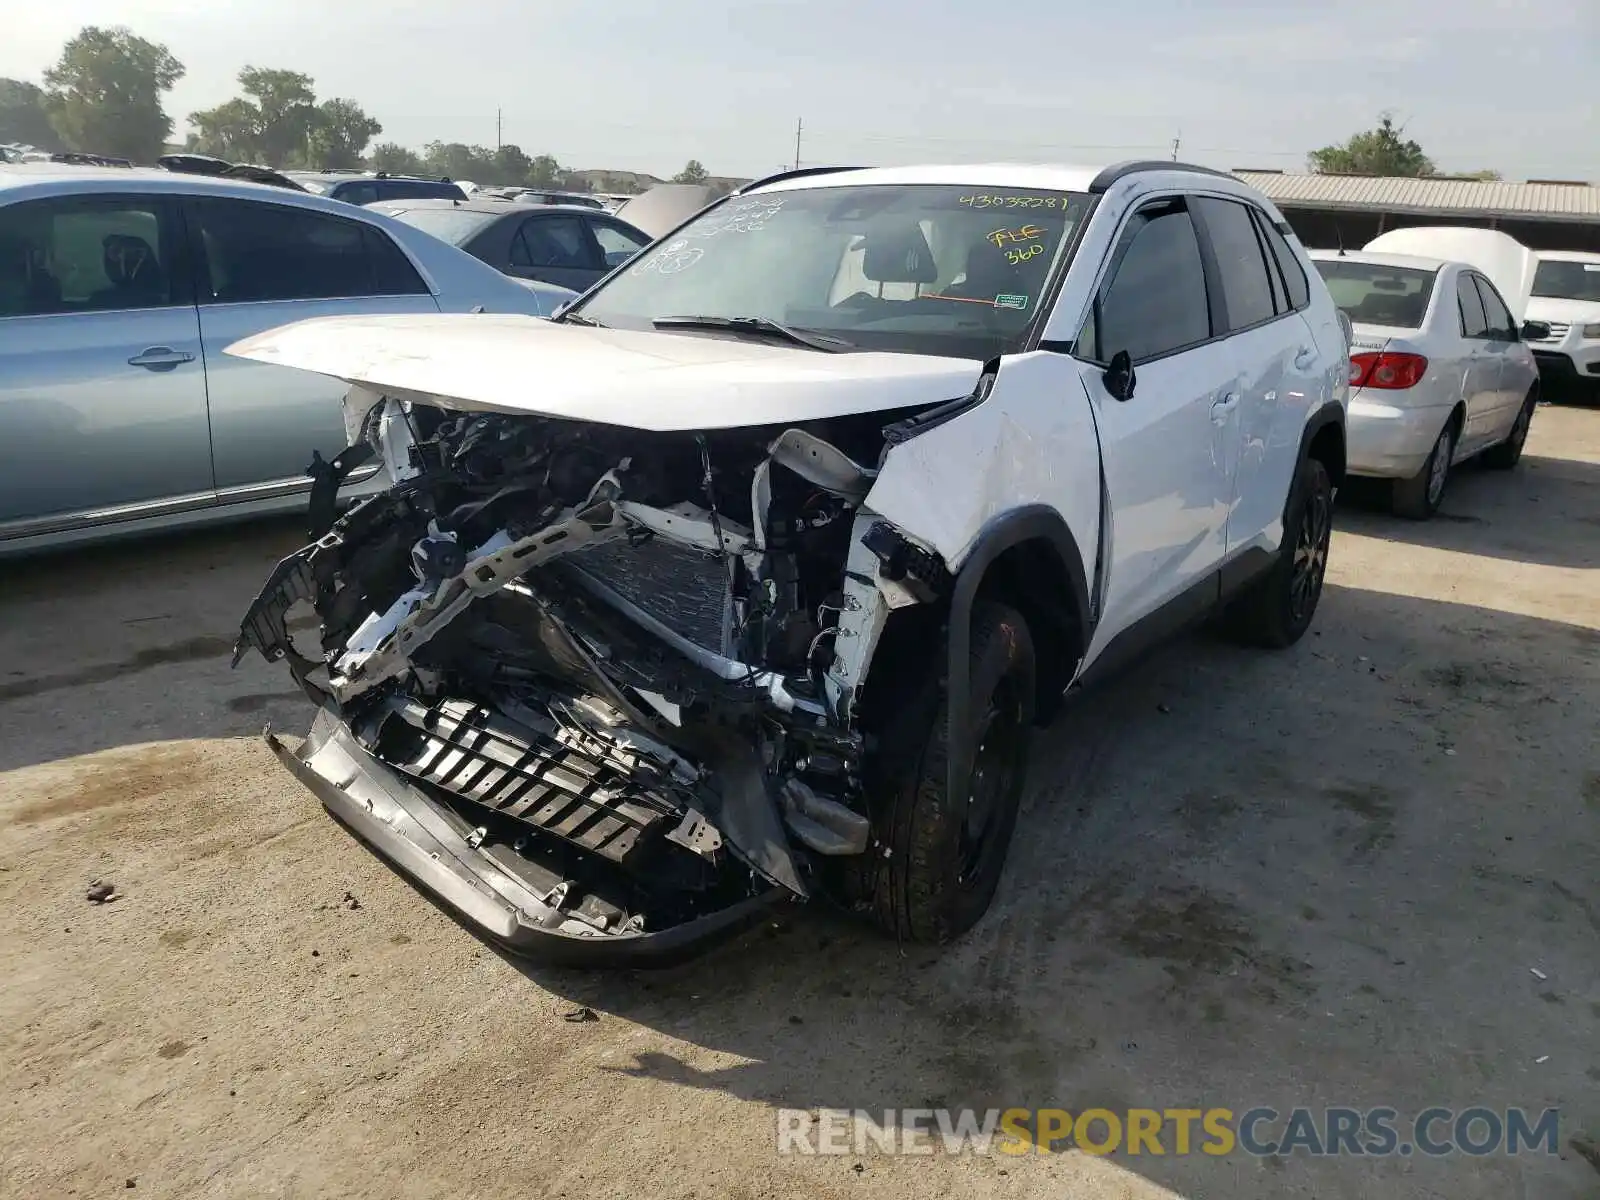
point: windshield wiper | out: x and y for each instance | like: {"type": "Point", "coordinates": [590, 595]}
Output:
{"type": "Point", "coordinates": [572, 318]}
{"type": "Point", "coordinates": [759, 325]}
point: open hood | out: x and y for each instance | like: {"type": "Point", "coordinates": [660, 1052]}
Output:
{"type": "Point", "coordinates": [645, 380]}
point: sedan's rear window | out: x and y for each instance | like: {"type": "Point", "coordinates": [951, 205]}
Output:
{"type": "Point", "coordinates": [1375, 294]}
{"type": "Point", "coordinates": [453, 225]}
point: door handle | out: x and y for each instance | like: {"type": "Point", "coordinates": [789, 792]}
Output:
{"type": "Point", "coordinates": [1305, 358]}
{"type": "Point", "coordinates": [1222, 407]}
{"type": "Point", "coordinates": [160, 358]}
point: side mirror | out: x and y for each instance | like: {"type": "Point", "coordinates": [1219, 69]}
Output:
{"type": "Point", "coordinates": [1535, 331]}
{"type": "Point", "coordinates": [1119, 377]}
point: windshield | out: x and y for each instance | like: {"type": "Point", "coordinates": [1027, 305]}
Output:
{"type": "Point", "coordinates": [918, 268]}
{"type": "Point", "coordinates": [451, 225]}
{"type": "Point", "coordinates": [1567, 279]}
{"type": "Point", "coordinates": [1374, 294]}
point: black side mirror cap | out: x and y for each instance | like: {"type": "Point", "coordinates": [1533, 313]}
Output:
{"type": "Point", "coordinates": [1119, 377]}
{"type": "Point", "coordinates": [1535, 331]}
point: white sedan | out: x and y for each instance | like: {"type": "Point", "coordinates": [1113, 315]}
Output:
{"type": "Point", "coordinates": [1438, 371]}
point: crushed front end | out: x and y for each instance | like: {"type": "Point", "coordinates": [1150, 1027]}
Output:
{"type": "Point", "coordinates": [596, 689]}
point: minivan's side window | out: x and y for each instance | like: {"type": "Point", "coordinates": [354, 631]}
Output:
{"type": "Point", "coordinates": [87, 254]}
{"type": "Point", "coordinates": [1474, 324]}
{"type": "Point", "coordinates": [553, 241]}
{"type": "Point", "coordinates": [1247, 292]}
{"type": "Point", "coordinates": [1153, 300]}
{"type": "Point", "coordinates": [257, 251]}
{"type": "Point", "coordinates": [1294, 276]}
{"type": "Point", "coordinates": [1501, 327]}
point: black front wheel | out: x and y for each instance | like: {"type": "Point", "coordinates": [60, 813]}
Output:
{"type": "Point", "coordinates": [938, 857]}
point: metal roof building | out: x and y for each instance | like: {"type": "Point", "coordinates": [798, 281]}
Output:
{"type": "Point", "coordinates": [1327, 210]}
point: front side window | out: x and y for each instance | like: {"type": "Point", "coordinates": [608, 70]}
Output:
{"type": "Point", "coordinates": [85, 255]}
{"type": "Point", "coordinates": [1377, 294]}
{"type": "Point", "coordinates": [913, 268]}
{"type": "Point", "coordinates": [1154, 299]}
{"type": "Point", "coordinates": [616, 244]}
{"type": "Point", "coordinates": [1501, 327]}
{"type": "Point", "coordinates": [1566, 279]}
{"type": "Point", "coordinates": [1247, 290]}
{"type": "Point", "coordinates": [258, 252]}
{"type": "Point", "coordinates": [1474, 322]}
{"type": "Point", "coordinates": [553, 241]}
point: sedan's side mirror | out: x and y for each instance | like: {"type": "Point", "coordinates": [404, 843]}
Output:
{"type": "Point", "coordinates": [1119, 377]}
{"type": "Point", "coordinates": [1535, 331]}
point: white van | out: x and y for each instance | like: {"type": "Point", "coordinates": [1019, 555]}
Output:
{"type": "Point", "coordinates": [1558, 288]}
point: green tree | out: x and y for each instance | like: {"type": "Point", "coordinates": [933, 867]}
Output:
{"type": "Point", "coordinates": [508, 165]}
{"type": "Point", "coordinates": [1487, 175]}
{"type": "Point", "coordinates": [396, 159]}
{"type": "Point", "coordinates": [285, 105]}
{"type": "Point", "coordinates": [1380, 151]}
{"type": "Point", "coordinates": [340, 131]}
{"type": "Point", "coordinates": [456, 160]}
{"type": "Point", "coordinates": [227, 131]}
{"type": "Point", "coordinates": [24, 117]}
{"type": "Point", "coordinates": [545, 171]}
{"type": "Point", "coordinates": [104, 93]}
{"type": "Point", "coordinates": [693, 172]}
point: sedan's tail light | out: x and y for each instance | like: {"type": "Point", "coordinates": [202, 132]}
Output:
{"type": "Point", "coordinates": [1391, 371]}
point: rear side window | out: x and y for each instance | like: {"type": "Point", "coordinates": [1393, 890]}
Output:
{"type": "Point", "coordinates": [1376, 294]}
{"type": "Point", "coordinates": [1501, 327]}
{"type": "Point", "coordinates": [1153, 300]}
{"type": "Point", "coordinates": [1247, 291]}
{"type": "Point", "coordinates": [553, 241]}
{"type": "Point", "coordinates": [91, 254]}
{"type": "Point", "coordinates": [1474, 323]}
{"type": "Point", "coordinates": [418, 189]}
{"type": "Point", "coordinates": [1293, 275]}
{"type": "Point", "coordinates": [258, 252]}
{"type": "Point", "coordinates": [356, 193]}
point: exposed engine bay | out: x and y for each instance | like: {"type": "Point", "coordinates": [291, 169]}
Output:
{"type": "Point", "coordinates": [626, 667]}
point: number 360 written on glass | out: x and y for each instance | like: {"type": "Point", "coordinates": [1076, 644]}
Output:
{"type": "Point", "coordinates": [1023, 255]}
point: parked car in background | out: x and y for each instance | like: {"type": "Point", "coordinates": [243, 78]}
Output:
{"type": "Point", "coordinates": [119, 289]}
{"type": "Point", "coordinates": [364, 188]}
{"type": "Point", "coordinates": [1558, 288]}
{"type": "Point", "coordinates": [571, 247]}
{"type": "Point", "coordinates": [744, 579]}
{"type": "Point", "coordinates": [525, 195]}
{"type": "Point", "coordinates": [205, 164]}
{"type": "Point", "coordinates": [1439, 371]}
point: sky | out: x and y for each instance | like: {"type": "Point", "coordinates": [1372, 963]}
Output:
{"type": "Point", "coordinates": [648, 84]}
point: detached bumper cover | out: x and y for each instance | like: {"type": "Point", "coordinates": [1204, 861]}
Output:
{"type": "Point", "coordinates": [433, 847]}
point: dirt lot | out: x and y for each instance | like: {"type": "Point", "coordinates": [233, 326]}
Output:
{"type": "Point", "coordinates": [1241, 879]}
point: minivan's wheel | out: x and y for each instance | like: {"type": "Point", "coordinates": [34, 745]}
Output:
{"type": "Point", "coordinates": [1276, 610]}
{"type": "Point", "coordinates": [1509, 452]}
{"type": "Point", "coordinates": [939, 857]}
{"type": "Point", "coordinates": [1418, 498]}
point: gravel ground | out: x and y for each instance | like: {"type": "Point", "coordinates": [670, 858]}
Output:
{"type": "Point", "coordinates": [1316, 878]}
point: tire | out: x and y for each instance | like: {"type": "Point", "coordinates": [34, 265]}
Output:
{"type": "Point", "coordinates": [1277, 609]}
{"type": "Point", "coordinates": [1417, 498]}
{"type": "Point", "coordinates": [1507, 454]}
{"type": "Point", "coordinates": [933, 877]}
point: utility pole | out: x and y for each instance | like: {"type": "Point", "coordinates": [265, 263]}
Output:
{"type": "Point", "coordinates": [1176, 142]}
{"type": "Point", "coordinates": [799, 125]}
{"type": "Point", "coordinates": [497, 130]}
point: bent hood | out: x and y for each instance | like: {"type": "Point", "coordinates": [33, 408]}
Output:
{"type": "Point", "coordinates": [645, 380]}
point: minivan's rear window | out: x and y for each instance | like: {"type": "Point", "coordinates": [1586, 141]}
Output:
{"type": "Point", "coordinates": [1375, 294]}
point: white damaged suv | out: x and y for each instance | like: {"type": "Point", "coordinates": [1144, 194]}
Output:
{"type": "Point", "coordinates": [745, 578]}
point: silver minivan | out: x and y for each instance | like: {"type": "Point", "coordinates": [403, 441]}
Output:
{"type": "Point", "coordinates": [119, 290]}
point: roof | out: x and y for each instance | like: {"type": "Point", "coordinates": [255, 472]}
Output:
{"type": "Point", "coordinates": [48, 179]}
{"type": "Point", "coordinates": [491, 206]}
{"type": "Point", "coordinates": [1414, 261]}
{"type": "Point", "coordinates": [1042, 176]}
{"type": "Point", "coordinates": [1466, 197]}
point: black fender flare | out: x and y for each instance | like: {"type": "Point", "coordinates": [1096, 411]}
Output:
{"type": "Point", "coordinates": [1033, 521]}
{"type": "Point", "coordinates": [1331, 413]}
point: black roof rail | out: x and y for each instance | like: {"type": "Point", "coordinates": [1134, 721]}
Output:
{"type": "Point", "coordinates": [797, 173]}
{"type": "Point", "coordinates": [1117, 171]}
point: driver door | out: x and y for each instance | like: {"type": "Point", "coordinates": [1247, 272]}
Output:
{"type": "Point", "coordinates": [1165, 447]}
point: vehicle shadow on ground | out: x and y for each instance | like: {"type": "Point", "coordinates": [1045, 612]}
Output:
{"type": "Point", "coordinates": [1226, 889]}
{"type": "Point", "coordinates": [1500, 514]}
{"type": "Point", "coordinates": [130, 642]}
